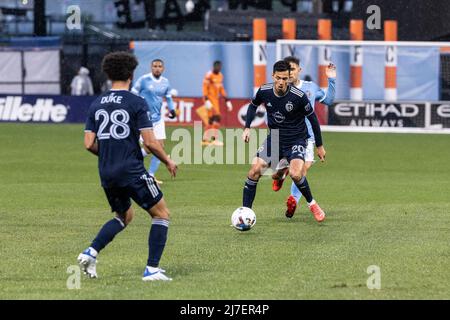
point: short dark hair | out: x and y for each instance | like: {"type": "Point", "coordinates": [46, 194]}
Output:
{"type": "Point", "coordinates": [119, 65]}
{"type": "Point", "coordinates": [217, 62]}
{"type": "Point", "coordinates": [157, 60]}
{"type": "Point", "coordinates": [292, 59]}
{"type": "Point", "coordinates": [281, 66]}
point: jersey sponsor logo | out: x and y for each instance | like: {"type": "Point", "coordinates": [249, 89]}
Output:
{"type": "Point", "coordinates": [268, 104]}
{"type": "Point", "coordinates": [278, 117]}
{"type": "Point", "coordinates": [289, 106]}
{"type": "Point", "coordinates": [43, 110]}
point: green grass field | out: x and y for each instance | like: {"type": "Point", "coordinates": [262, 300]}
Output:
{"type": "Point", "coordinates": [387, 198]}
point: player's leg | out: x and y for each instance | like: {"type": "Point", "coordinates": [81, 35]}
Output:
{"type": "Point", "coordinates": [309, 161]}
{"type": "Point", "coordinates": [159, 129]}
{"type": "Point", "coordinates": [296, 156]}
{"type": "Point", "coordinates": [208, 128]}
{"type": "Point", "coordinates": [146, 193]}
{"type": "Point", "coordinates": [215, 129]}
{"type": "Point", "coordinates": [120, 204]}
{"type": "Point", "coordinates": [259, 165]}
{"type": "Point", "coordinates": [157, 241]}
{"type": "Point", "coordinates": [256, 171]}
{"type": "Point", "coordinates": [282, 170]}
{"type": "Point", "coordinates": [295, 192]}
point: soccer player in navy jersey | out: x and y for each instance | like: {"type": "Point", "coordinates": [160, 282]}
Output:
{"type": "Point", "coordinates": [313, 92]}
{"type": "Point", "coordinates": [287, 107]}
{"type": "Point", "coordinates": [115, 121]}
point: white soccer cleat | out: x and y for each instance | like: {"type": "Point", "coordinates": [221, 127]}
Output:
{"type": "Point", "coordinates": [154, 274]}
{"type": "Point", "coordinates": [88, 263]}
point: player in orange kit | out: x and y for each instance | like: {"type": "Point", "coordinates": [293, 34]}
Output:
{"type": "Point", "coordinates": [212, 90]}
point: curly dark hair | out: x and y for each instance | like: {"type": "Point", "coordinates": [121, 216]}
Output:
{"type": "Point", "coordinates": [119, 66]}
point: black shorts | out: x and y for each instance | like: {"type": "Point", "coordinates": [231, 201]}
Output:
{"type": "Point", "coordinates": [144, 191]}
{"type": "Point", "coordinates": [290, 151]}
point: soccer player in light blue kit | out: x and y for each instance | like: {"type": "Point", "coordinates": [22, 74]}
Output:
{"type": "Point", "coordinates": [153, 87]}
{"type": "Point", "coordinates": [314, 92]}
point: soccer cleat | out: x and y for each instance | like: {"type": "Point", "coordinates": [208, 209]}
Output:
{"type": "Point", "coordinates": [277, 184]}
{"type": "Point", "coordinates": [88, 263]}
{"type": "Point", "coordinates": [291, 205]}
{"type": "Point", "coordinates": [155, 274]}
{"type": "Point", "coordinates": [206, 143]}
{"type": "Point", "coordinates": [217, 143]}
{"type": "Point", "coordinates": [317, 212]}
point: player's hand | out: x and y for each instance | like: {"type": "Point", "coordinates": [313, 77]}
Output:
{"type": "Point", "coordinates": [321, 153]}
{"type": "Point", "coordinates": [331, 70]}
{"type": "Point", "coordinates": [172, 114]}
{"type": "Point", "coordinates": [246, 135]}
{"type": "Point", "coordinates": [172, 167]}
{"type": "Point", "coordinates": [208, 105]}
{"type": "Point", "coordinates": [229, 105]}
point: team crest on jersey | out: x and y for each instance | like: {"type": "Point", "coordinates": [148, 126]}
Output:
{"type": "Point", "coordinates": [289, 106]}
{"type": "Point", "coordinates": [308, 107]}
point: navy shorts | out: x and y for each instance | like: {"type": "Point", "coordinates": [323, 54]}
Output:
{"type": "Point", "coordinates": [290, 151]}
{"type": "Point", "coordinates": [144, 191]}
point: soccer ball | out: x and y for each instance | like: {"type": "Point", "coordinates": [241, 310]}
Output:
{"type": "Point", "coordinates": [243, 218]}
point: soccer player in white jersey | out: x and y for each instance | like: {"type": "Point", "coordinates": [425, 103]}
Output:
{"type": "Point", "coordinates": [153, 87]}
{"type": "Point", "coordinates": [314, 92]}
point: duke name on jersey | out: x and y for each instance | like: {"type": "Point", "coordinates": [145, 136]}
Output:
{"type": "Point", "coordinates": [286, 113]}
{"type": "Point", "coordinates": [153, 90]}
{"type": "Point", "coordinates": [117, 117]}
{"type": "Point", "coordinates": [314, 92]}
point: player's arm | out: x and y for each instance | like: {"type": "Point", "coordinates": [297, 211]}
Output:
{"type": "Point", "coordinates": [155, 147]}
{"type": "Point", "coordinates": [90, 142]}
{"type": "Point", "coordinates": [317, 135]}
{"type": "Point", "coordinates": [205, 91]}
{"type": "Point", "coordinates": [136, 89]}
{"type": "Point", "coordinates": [170, 104]}
{"type": "Point", "coordinates": [90, 136]}
{"type": "Point", "coordinates": [327, 97]}
{"type": "Point", "coordinates": [312, 117]}
{"type": "Point", "coordinates": [251, 113]}
{"type": "Point", "coordinates": [224, 94]}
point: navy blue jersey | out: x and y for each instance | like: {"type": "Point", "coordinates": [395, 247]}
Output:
{"type": "Point", "coordinates": [117, 118]}
{"type": "Point", "coordinates": [286, 113]}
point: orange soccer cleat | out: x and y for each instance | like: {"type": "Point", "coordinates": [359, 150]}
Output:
{"type": "Point", "coordinates": [317, 212]}
{"type": "Point", "coordinates": [291, 205]}
{"type": "Point", "coordinates": [278, 183]}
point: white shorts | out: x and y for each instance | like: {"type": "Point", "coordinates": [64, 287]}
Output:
{"type": "Point", "coordinates": [309, 156]}
{"type": "Point", "coordinates": [159, 129]}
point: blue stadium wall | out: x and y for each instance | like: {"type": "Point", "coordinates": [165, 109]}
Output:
{"type": "Point", "coordinates": [187, 63]}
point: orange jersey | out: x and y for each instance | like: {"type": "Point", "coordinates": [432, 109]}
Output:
{"type": "Point", "coordinates": [213, 88]}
